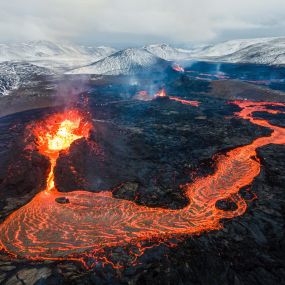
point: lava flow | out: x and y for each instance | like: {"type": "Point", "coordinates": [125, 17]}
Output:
{"type": "Point", "coordinates": [162, 94]}
{"type": "Point", "coordinates": [44, 229]}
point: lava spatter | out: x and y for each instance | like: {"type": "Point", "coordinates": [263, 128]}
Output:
{"type": "Point", "coordinates": [44, 229]}
{"type": "Point", "coordinates": [177, 67]}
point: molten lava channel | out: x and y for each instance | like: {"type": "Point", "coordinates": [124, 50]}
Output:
{"type": "Point", "coordinates": [162, 94]}
{"type": "Point", "coordinates": [145, 96]}
{"type": "Point", "coordinates": [45, 229]}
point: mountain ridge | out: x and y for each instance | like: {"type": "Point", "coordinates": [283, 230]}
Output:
{"type": "Point", "coordinates": [124, 62]}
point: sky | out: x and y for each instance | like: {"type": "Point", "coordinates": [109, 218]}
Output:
{"type": "Point", "coordinates": [138, 22]}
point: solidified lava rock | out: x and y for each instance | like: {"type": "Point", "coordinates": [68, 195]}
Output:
{"type": "Point", "coordinates": [226, 205]}
{"type": "Point", "coordinates": [127, 191]}
{"type": "Point", "coordinates": [162, 98]}
{"type": "Point", "coordinates": [274, 119]}
{"type": "Point", "coordinates": [62, 200]}
{"type": "Point", "coordinates": [23, 171]}
{"type": "Point", "coordinates": [274, 168]}
{"type": "Point", "coordinates": [71, 167]}
{"type": "Point", "coordinates": [30, 276]}
{"type": "Point", "coordinates": [25, 176]}
{"type": "Point", "coordinates": [101, 164]}
{"type": "Point", "coordinates": [27, 171]}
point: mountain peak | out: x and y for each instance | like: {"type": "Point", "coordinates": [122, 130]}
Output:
{"type": "Point", "coordinates": [127, 61]}
{"type": "Point", "coordinates": [168, 52]}
{"type": "Point", "coordinates": [256, 51]}
{"type": "Point", "coordinates": [48, 50]}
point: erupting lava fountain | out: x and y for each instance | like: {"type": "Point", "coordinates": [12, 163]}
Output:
{"type": "Point", "coordinates": [162, 94]}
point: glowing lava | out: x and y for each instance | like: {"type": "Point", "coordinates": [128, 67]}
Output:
{"type": "Point", "coordinates": [162, 94]}
{"type": "Point", "coordinates": [185, 102]}
{"type": "Point", "coordinates": [177, 68]}
{"type": "Point", "coordinates": [56, 134]}
{"type": "Point", "coordinates": [44, 229]}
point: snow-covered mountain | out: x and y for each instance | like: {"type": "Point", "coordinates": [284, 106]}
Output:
{"type": "Point", "coordinates": [16, 74]}
{"type": "Point", "coordinates": [56, 56]}
{"type": "Point", "coordinates": [21, 64]}
{"type": "Point", "coordinates": [169, 53]}
{"type": "Point", "coordinates": [229, 47]}
{"type": "Point", "coordinates": [39, 50]}
{"type": "Point", "coordinates": [258, 51]}
{"type": "Point", "coordinates": [125, 62]}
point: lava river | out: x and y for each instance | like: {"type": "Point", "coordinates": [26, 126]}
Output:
{"type": "Point", "coordinates": [45, 229]}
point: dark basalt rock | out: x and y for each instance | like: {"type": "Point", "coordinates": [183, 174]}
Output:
{"type": "Point", "coordinates": [127, 191]}
{"type": "Point", "coordinates": [27, 170]}
{"type": "Point", "coordinates": [62, 200]}
{"type": "Point", "coordinates": [162, 98]}
{"type": "Point", "coordinates": [25, 176]}
{"type": "Point", "coordinates": [226, 205]}
{"type": "Point", "coordinates": [30, 276]}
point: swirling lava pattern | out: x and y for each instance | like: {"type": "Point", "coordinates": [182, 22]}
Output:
{"type": "Point", "coordinates": [45, 229]}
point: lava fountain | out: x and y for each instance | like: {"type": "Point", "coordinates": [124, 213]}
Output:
{"type": "Point", "coordinates": [161, 93]}
{"type": "Point", "coordinates": [44, 229]}
{"type": "Point", "coordinates": [177, 68]}
{"type": "Point", "coordinates": [56, 134]}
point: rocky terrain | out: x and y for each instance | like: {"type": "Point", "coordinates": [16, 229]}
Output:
{"type": "Point", "coordinates": [15, 75]}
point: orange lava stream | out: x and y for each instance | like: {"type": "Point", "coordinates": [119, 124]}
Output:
{"type": "Point", "coordinates": [44, 229]}
{"type": "Point", "coordinates": [162, 93]}
{"type": "Point", "coordinates": [186, 102]}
